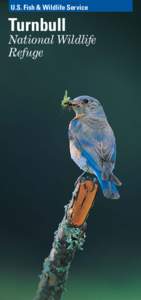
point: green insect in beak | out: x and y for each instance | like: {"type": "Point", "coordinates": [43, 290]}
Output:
{"type": "Point", "coordinates": [65, 101]}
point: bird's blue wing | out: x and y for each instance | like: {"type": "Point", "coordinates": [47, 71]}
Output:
{"type": "Point", "coordinates": [96, 149]}
{"type": "Point", "coordinates": [100, 144]}
{"type": "Point", "coordinates": [86, 146]}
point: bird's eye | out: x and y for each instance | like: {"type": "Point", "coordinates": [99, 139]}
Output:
{"type": "Point", "coordinates": [85, 101]}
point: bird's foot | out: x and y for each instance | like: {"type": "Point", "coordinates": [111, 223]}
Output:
{"type": "Point", "coordinates": [85, 176]}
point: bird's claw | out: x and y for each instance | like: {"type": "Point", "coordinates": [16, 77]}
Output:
{"type": "Point", "coordinates": [85, 176]}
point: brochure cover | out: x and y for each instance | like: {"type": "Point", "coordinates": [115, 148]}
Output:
{"type": "Point", "coordinates": [70, 137]}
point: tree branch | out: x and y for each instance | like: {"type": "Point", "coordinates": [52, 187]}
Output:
{"type": "Point", "coordinates": [69, 238]}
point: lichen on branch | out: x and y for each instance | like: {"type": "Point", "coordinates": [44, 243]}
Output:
{"type": "Point", "coordinates": [67, 240]}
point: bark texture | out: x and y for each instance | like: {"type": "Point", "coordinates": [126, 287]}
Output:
{"type": "Point", "coordinates": [69, 238]}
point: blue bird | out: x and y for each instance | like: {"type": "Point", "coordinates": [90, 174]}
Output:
{"type": "Point", "coordinates": [92, 143]}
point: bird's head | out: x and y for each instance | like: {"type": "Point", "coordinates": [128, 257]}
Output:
{"type": "Point", "coordinates": [85, 105]}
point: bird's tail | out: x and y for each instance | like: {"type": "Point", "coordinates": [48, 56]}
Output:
{"type": "Point", "coordinates": [109, 189]}
{"type": "Point", "coordinates": [116, 180]}
{"type": "Point", "coordinates": [108, 185]}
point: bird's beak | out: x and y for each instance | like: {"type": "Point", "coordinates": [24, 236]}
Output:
{"type": "Point", "coordinates": [67, 103]}
{"type": "Point", "coordinates": [71, 104]}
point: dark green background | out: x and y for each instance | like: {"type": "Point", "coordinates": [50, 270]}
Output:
{"type": "Point", "coordinates": [37, 174]}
